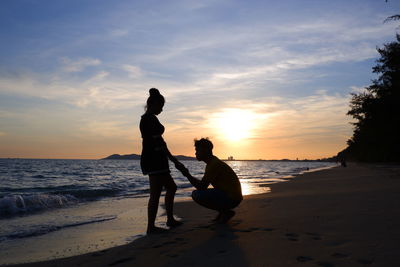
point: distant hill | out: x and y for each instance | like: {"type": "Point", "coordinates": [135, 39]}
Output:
{"type": "Point", "coordinates": [137, 157]}
{"type": "Point", "coordinates": [118, 156]}
{"type": "Point", "coordinates": [182, 157]}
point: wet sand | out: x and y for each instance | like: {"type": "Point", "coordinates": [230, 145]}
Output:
{"type": "Point", "coordinates": [120, 221]}
{"type": "Point", "coordinates": [337, 217]}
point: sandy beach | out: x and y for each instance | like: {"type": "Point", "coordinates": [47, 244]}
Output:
{"type": "Point", "coordinates": [337, 217]}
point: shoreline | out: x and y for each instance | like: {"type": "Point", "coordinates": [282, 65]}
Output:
{"type": "Point", "coordinates": [340, 216]}
{"type": "Point", "coordinates": [116, 221]}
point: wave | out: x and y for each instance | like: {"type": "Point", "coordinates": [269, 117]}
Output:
{"type": "Point", "coordinates": [78, 191]}
{"type": "Point", "coordinates": [17, 204]}
{"type": "Point", "coordinates": [37, 230]}
{"type": "Point", "coordinates": [91, 194]}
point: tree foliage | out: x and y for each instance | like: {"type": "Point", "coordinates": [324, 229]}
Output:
{"type": "Point", "coordinates": [394, 17]}
{"type": "Point", "coordinates": [376, 134]}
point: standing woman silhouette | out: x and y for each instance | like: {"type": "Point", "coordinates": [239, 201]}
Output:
{"type": "Point", "coordinates": [154, 162]}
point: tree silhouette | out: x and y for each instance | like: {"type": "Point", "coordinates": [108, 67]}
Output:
{"type": "Point", "coordinates": [377, 111]}
{"type": "Point", "coordinates": [394, 17]}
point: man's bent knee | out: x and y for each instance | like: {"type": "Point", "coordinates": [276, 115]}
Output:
{"type": "Point", "coordinates": [198, 197]}
{"type": "Point", "coordinates": [195, 195]}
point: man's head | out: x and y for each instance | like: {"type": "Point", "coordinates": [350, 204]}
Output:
{"type": "Point", "coordinates": [203, 149]}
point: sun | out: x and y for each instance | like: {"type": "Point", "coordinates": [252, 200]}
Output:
{"type": "Point", "coordinates": [234, 124]}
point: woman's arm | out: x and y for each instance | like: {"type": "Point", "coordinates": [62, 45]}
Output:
{"type": "Point", "coordinates": [170, 156]}
{"type": "Point", "coordinates": [178, 165]}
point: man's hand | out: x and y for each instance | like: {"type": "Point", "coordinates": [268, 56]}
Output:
{"type": "Point", "coordinates": [181, 168]}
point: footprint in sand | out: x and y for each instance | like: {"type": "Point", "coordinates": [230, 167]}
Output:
{"type": "Point", "coordinates": [365, 261]}
{"type": "Point", "coordinates": [268, 229]}
{"type": "Point", "coordinates": [168, 243]}
{"type": "Point", "coordinates": [304, 258]}
{"type": "Point", "coordinates": [314, 236]}
{"type": "Point", "coordinates": [203, 226]}
{"type": "Point", "coordinates": [337, 243]}
{"type": "Point", "coordinates": [339, 255]}
{"type": "Point", "coordinates": [292, 236]}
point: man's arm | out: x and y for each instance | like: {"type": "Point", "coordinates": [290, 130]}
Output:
{"type": "Point", "coordinates": [199, 184]}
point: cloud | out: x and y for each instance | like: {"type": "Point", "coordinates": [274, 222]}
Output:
{"type": "Point", "coordinates": [246, 57]}
{"type": "Point", "coordinates": [97, 91]}
{"type": "Point", "coordinates": [357, 89]}
{"type": "Point", "coordinates": [320, 115]}
{"type": "Point", "coordinates": [105, 97]}
{"type": "Point", "coordinates": [119, 32]}
{"type": "Point", "coordinates": [224, 59]}
{"type": "Point", "coordinates": [133, 71]}
{"type": "Point", "coordinates": [79, 64]}
{"type": "Point", "coordinates": [106, 128]}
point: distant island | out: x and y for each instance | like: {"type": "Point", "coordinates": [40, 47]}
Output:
{"type": "Point", "coordinates": [137, 157]}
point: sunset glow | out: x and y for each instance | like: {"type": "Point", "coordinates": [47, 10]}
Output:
{"type": "Point", "coordinates": [234, 124]}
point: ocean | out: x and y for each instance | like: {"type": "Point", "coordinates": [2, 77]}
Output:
{"type": "Point", "coordinates": [95, 204]}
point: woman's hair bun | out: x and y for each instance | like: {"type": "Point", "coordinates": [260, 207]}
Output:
{"type": "Point", "coordinates": [154, 92]}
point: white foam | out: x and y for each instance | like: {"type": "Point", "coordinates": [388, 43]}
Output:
{"type": "Point", "coordinates": [13, 204]}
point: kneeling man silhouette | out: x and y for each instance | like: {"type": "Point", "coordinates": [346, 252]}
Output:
{"type": "Point", "coordinates": [226, 193]}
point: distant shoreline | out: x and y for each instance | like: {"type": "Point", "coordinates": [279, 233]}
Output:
{"type": "Point", "coordinates": [182, 157]}
{"type": "Point", "coordinates": [179, 157]}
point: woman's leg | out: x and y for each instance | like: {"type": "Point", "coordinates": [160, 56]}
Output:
{"type": "Point", "coordinates": [169, 200]}
{"type": "Point", "coordinates": [156, 185]}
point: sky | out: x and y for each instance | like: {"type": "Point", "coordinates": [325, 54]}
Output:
{"type": "Point", "coordinates": [262, 79]}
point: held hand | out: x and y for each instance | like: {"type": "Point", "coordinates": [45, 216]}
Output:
{"type": "Point", "coordinates": [185, 172]}
{"type": "Point", "coordinates": [179, 165]}
{"type": "Point", "coordinates": [182, 168]}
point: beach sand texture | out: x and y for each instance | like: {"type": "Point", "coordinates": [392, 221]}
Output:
{"type": "Point", "coordinates": [337, 217]}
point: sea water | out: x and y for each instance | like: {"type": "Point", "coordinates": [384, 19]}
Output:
{"type": "Point", "coordinates": [95, 204]}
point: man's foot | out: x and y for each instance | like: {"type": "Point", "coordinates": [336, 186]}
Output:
{"type": "Point", "coordinates": [226, 216]}
{"type": "Point", "coordinates": [156, 230]}
{"type": "Point", "coordinates": [174, 223]}
{"type": "Point", "coordinates": [216, 219]}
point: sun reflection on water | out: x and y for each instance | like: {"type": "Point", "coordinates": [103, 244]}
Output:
{"type": "Point", "coordinates": [252, 189]}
